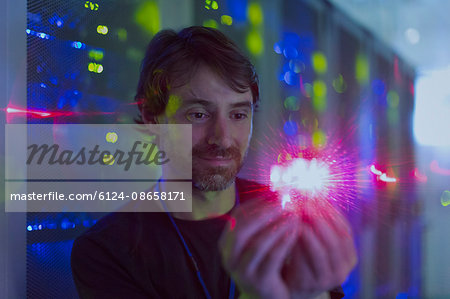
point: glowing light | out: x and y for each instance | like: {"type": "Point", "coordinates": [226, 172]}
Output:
{"type": "Point", "coordinates": [290, 78]}
{"type": "Point", "coordinates": [296, 66]}
{"type": "Point", "coordinates": [255, 14]}
{"type": "Point", "coordinates": [339, 84]}
{"type": "Point", "coordinates": [319, 103]}
{"type": "Point", "coordinates": [290, 127]}
{"type": "Point", "coordinates": [111, 137]}
{"type": "Point", "coordinates": [78, 45]}
{"type": "Point", "coordinates": [307, 90]}
{"type": "Point", "coordinates": [319, 139]}
{"type": "Point", "coordinates": [285, 199]}
{"type": "Point", "coordinates": [300, 175]}
{"type": "Point", "coordinates": [95, 67]}
{"type": "Point", "coordinates": [319, 62]}
{"type": "Point", "coordinates": [387, 179]}
{"type": "Point", "coordinates": [148, 17]}
{"type": "Point", "coordinates": [108, 159]}
{"type": "Point", "coordinates": [445, 198]}
{"type": "Point", "coordinates": [96, 55]}
{"type": "Point", "coordinates": [29, 228]}
{"type": "Point", "coordinates": [374, 170]}
{"type": "Point", "coordinates": [255, 42]}
{"type": "Point", "coordinates": [90, 5]}
{"type": "Point", "coordinates": [412, 35]}
{"type": "Point", "coordinates": [292, 103]}
{"type": "Point", "coordinates": [102, 29]}
{"type": "Point", "coordinates": [392, 99]}
{"type": "Point", "coordinates": [319, 88]}
{"type": "Point", "coordinates": [214, 5]}
{"type": "Point", "coordinates": [432, 108]}
{"type": "Point", "coordinates": [378, 87]}
{"type": "Point", "coordinates": [226, 20]}
{"type": "Point", "coordinates": [277, 48]}
{"type": "Point", "coordinates": [210, 23]}
{"type": "Point", "coordinates": [172, 105]}
{"type": "Point", "coordinates": [362, 69]}
{"type": "Point", "coordinates": [25, 111]}
{"type": "Point", "coordinates": [420, 177]}
{"type": "Point", "coordinates": [122, 34]}
{"type": "Point", "coordinates": [434, 167]}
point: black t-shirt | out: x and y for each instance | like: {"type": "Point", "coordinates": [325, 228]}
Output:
{"type": "Point", "coordinates": [140, 255]}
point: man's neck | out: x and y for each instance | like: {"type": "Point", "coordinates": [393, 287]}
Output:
{"type": "Point", "coordinates": [209, 204]}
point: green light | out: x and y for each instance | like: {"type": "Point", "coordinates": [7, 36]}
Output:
{"type": "Point", "coordinates": [339, 84]}
{"type": "Point", "coordinates": [210, 23]}
{"type": "Point", "coordinates": [226, 20]}
{"type": "Point", "coordinates": [362, 69]}
{"type": "Point", "coordinates": [96, 55]}
{"type": "Point", "coordinates": [255, 42]}
{"type": "Point", "coordinates": [214, 5]}
{"type": "Point", "coordinates": [172, 105]}
{"type": "Point", "coordinates": [308, 90]}
{"type": "Point", "coordinates": [319, 88]}
{"type": "Point", "coordinates": [319, 103]}
{"type": "Point", "coordinates": [122, 34]}
{"type": "Point", "coordinates": [319, 62]}
{"type": "Point", "coordinates": [319, 139]}
{"type": "Point", "coordinates": [393, 116]}
{"type": "Point", "coordinates": [95, 67]}
{"type": "Point", "coordinates": [296, 65]}
{"type": "Point", "coordinates": [255, 14]}
{"type": "Point", "coordinates": [90, 5]}
{"type": "Point", "coordinates": [292, 103]}
{"type": "Point", "coordinates": [147, 16]}
{"type": "Point", "coordinates": [445, 198]}
{"type": "Point", "coordinates": [102, 29]}
{"type": "Point", "coordinates": [392, 99]}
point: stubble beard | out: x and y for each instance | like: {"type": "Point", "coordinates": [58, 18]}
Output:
{"type": "Point", "coordinates": [217, 178]}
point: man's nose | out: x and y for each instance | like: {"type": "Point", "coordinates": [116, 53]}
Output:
{"type": "Point", "coordinates": [220, 133]}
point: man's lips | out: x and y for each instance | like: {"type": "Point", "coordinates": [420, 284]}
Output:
{"type": "Point", "coordinates": [215, 158]}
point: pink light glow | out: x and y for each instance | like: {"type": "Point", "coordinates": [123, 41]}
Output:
{"type": "Point", "coordinates": [434, 166]}
{"type": "Point", "coordinates": [374, 170]}
{"type": "Point", "coordinates": [387, 179]}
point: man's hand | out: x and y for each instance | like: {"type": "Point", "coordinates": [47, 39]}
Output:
{"type": "Point", "coordinates": [323, 256]}
{"type": "Point", "coordinates": [272, 253]}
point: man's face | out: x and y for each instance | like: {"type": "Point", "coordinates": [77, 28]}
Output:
{"type": "Point", "coordinates": [221, 121]}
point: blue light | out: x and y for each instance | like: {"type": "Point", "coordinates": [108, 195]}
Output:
{"type": "Point", "coordinates": [237, 10]}
{"type": "Point", "coordinates": [378, 87]}
{"type": "Point", "coordinates": [78, 45]}
{"type": "Point", "coordinates": [29, 228]}
{"type": "Point", "coordinates": [43, 85]}
{"type": "Point", "coordinates": [290, 52]}
{"type": "Point", "coordinates": [290, 128]}
{"type": "Point", "coordinates": [28, 31]}
{"type": "Point", "coordinates": [277, 48]}
{"type": "Point", "coordinates": [290, 78]}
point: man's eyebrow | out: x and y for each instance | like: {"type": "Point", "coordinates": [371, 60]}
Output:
{"type": "Point", "coordinates": [245, 104]}
{"type": "Point", "coordinates": [193, 101]}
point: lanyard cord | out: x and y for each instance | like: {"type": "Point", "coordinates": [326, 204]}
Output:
{"type": "Point", "coordinates": [194, 262]}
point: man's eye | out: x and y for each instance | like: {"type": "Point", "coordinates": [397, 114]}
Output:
{"type": "Point", "coordinates": [239, 116]}
{"type": "Point", "coordinates": [196, 116]}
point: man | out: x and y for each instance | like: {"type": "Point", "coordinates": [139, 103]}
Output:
{"type": "Point", "coordinates": [237, 241]}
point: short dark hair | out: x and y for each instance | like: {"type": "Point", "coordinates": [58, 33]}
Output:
{"type": "Point", "coordinates": [174, 57]}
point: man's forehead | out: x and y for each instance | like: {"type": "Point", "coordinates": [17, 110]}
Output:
{"type": "Point", "coordinates": [206, 96]}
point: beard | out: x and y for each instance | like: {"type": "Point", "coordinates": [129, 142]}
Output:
{"type": "Point", "coordinates": [215, 178]}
